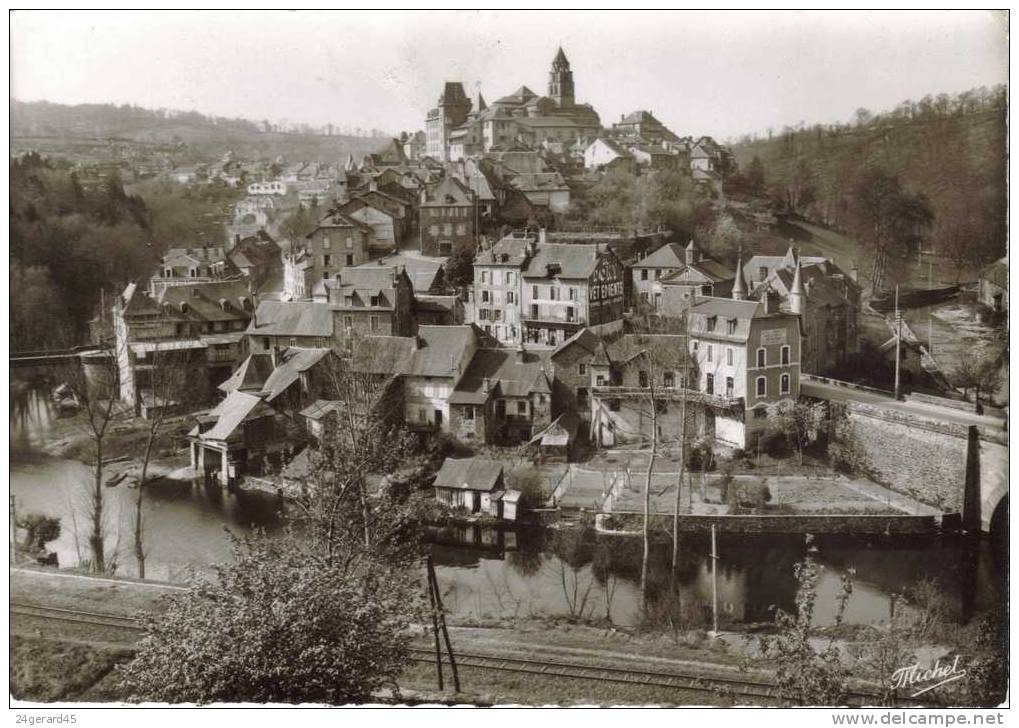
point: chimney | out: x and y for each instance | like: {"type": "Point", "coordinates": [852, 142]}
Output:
{"type": "Point", "coordinates": [771, 300]}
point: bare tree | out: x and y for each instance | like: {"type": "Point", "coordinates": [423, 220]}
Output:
{"type": "Point", "coordinates": [169, 391]}
{"type": "Point", "coordinates": [93, 380]}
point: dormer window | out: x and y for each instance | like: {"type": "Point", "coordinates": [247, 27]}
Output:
{"type": "Point", "coordinates": [375, 300]}
{"type": "Point", "coordinates": [712, 322]}
{"type": "Point", "coordinates": [730, 326]}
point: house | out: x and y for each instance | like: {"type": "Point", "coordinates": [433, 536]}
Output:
{"type": "Point", "coordinates": [643, 125]}
{"type": "Point", "coordinates": [389, 217]}
{"type": "Point", "coordinates": [632, 373]}
{"type": "Point", "coordinates": [447, 216]}
{"type": "Point", "coordinates": [279, 324]}
{"type": "Point", "coordinates": [571, 366]}
{"type": "Point", "coordinates": [604, 151]}
{"type": "Point", "coordinates": [321, 416]}
{"type": "Point", "coordinates": [183, 266]}
{"type": "Point", "coordinates": [235, 439]}
{"type": "Point", "coordinates": [371, 300]}
{"type": "Point", "coordinates": [700, 275]}
{"type": "Point", "coordinates": [567, 287]}
{"type": "Point", "coordinates": [476, 485]}
{"type": "Point", "coordinates": [504, 397]}
{"type": "Point", "coordinates": [647, 271]}
{"type": "Point", "coordinates": [747, 362]}
{"type": "Point", "coordinates": [338, 242]}
{"type": "Point", "coordinates": [544, 189]}
{"type": "Point", "coordinates": [992, 286]}
{"type": "Point", "coordinates": [258, 258]}
{"type": "Point", "coordinates": [438, 310]}
{"type": "Point", "coordinates": [426, 274]}
{"type": "Point", "coordinates": [414, 145]}
{"type": "Point", "coordinates": [529, 290]}
{"type": "Point", "coordinates": [198, 327]}
{"type": "Point", "coordinates": [274, 187]}
{"type": "Point", "coordinates": [298, 276]}
{"type": "Point", "coordinates": [495, 299]}
{"type": "Point", "coordinates": [440, 358]}
{"type": "Point", "coordinates": [468, 483]}
{"type": "Point", "coordinates": [827, 300]}
{"type": "Point", "coordinates": [655, 156]}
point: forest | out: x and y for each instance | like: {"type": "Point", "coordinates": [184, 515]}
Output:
{"type": "Point", "coordinates": [947, 152]}
{"type": "Point", "coordinates": [71, 244]}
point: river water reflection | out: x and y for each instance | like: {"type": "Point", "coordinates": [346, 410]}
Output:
{"type": "Point", "coordinates": [523, 572]}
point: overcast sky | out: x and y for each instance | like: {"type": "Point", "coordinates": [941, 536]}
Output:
{"type": "Point", "coordinates": [715, 73]}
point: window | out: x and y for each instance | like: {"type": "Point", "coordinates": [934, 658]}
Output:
{"type": "Point", "coordinates": [468, 413]}
{"type": "Point", "coordinates": [374, 300]}
{"type": "Point", "coordinates": [784, 384]}
{"type": "Point", "coordinates": [785, 355]}
{"type": "Point", "coordinates": [325, 242]}
{"type": "Point", "coordinates": [375, 323]}
{"type": "Point", "coordinates": [582, 396]}
{"type": "Point", "coordinates": [712, 321]}
{"type": "Point", "coordinates": [569, 313]}
{"type": "Point", "coordinates": [696, 345]}
{"type": "Point", "coordinates": [728, 356]}
{"type": "Point", "coordinates": [350, 242]}
{"type": "Point", "coordinates": [350, 260]}
{"type": "Point", "coordinates": [642, 378]}
{"type": "Point", "coordinates": [658, 274]}
{"type": "Point", "coordinates": [484, 296]}
{"type": "Point", "coordinates": [729, 385]}
{"type": "Point", "coordinates": [447, 228]}
{"type": "Point", "coordinates": [293, 341]}
{"type": "Point", "coordinates": [534, 292]}
{"type": "Point", "coordinates": [730, 326]}
{"type": "Point", "coordinates": [669, 379]}
{"type": "Point", "coordinates": [762, 386]}
{"type": "Point", "coordinates": [760, 412]}
{"type": "Point", "coordinates": [325, 275]}
{"type": "Point", "coordinates": [484, 276]}
{"type": "Point", "coordinates": [521, 408]}
{"type": "Point", "coordinates": [762, 273]}
{"type": "Point", "coordinates": [709, 383]}
{"type": "Point", "coordinates": [582, 369]}
{"type": "Point", "coordinates": [509, 278]}
{"type": "Point", "coordinates": [348, 322]}
{"type": "Point", "coordinates": [643, 274]}
{"type": "Point", "coordinates": [534, 310]}
{"type": "Point", "coordinates": [573, 294]}
{"type": "Point", "coordinates": [762, 357]}
{"type": "Point", "coordinates": [510, 297]}
{"type": "Point", "coordinates": [711, 352]}
{"type": "Point", "coordinates": [553, 293]}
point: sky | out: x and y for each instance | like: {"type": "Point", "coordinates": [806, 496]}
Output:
{"type": "Point", "coordinates": [718, 73]}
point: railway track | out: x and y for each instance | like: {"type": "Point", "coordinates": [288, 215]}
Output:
{"type": "Point", "coordinates": [735, 687]}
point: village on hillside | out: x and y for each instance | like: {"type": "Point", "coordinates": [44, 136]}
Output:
{"type": "Point", "coordinates": [536, 324]}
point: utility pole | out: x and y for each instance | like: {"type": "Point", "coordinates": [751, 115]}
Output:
{"type": "Point", "coordinates": [898, 338]}
{"type": "Point", "coordinates": [714, 581]}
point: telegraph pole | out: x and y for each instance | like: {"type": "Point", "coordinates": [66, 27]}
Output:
{"type": "Point", "coordinates": [714, 581]}
{"type": "Point", "coordinates": [898, 338]}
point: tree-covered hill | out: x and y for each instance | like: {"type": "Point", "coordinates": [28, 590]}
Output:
{"type": "Point", "coordinates": [950, 150]}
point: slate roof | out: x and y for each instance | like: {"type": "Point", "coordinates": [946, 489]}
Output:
{"type": "Point", "coordinates": [710, 269]}
{"type": "Point", "coordinates": [575, 260]}
{"type": "Point", "coordinates": [670, 255]}
{"type": "Point", "coordinates": [223, 300]}
{"type": "Point", "coordinates": [292, 318]}
{"type": "Point", "coordinates": [469, 474]}
{"type": "Point", "coordinates": [250, 375]}
{"type": "Point", "coordinates": [510, 250]}
{"type": "Point", "coordinates": [439, 349]}
{"type": "Point", "coordinates": [382, 354]}
{"type": "Point", "coordinates": [337, 219]}
{"type": "Point", "coordinates": [232, 411]}
{"type": "Point", "coordinates": [425, 273]}
{"type": "Point", "coordinates": [539, 182]}
{"type": "Point", "coordinates": [290, 364]}
{"type": "Point", "coordinates": [584, 338]}
{"type": "Point", "coordinates": [258, 249]}
{"type": "Point", "coordinates": [519, 97]}
{"type": "Point", "coordinates": [509, 372]}
{"type": "Point", "coordinates": [200, 256]}
{"type": "Point", "coordinates": [448, 191]}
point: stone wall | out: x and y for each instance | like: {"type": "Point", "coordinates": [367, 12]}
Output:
{"type": "Point", "coordinates": [766, 523]}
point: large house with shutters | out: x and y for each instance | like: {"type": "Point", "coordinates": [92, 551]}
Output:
{"type": "Point", "coordinates": [448, 214]}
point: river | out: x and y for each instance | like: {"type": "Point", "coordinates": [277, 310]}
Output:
{"type": "Point", "coordinates": [525, 572]}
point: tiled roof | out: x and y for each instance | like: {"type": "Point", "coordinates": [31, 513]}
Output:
{"type": "Point", "coordinates": [469, 474]}
{"type": "Point", "coordinates": [292, 318]}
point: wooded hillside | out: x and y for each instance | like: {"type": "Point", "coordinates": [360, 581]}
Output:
{"type": "Point", "coordinates": [951, 150]}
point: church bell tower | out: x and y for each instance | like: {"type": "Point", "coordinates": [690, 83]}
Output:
{"type": "Point", "coordinates": [560, 81]}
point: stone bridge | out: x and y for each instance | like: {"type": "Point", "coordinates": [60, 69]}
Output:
{"type": "Point", "coordinates": [940, 452]}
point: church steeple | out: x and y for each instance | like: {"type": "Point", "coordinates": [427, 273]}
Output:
{"type": "Point", "coordinates": [560, 81]}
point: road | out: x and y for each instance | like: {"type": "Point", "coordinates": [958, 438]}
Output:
{"type": "Point", "coordinates": [835, 393]}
